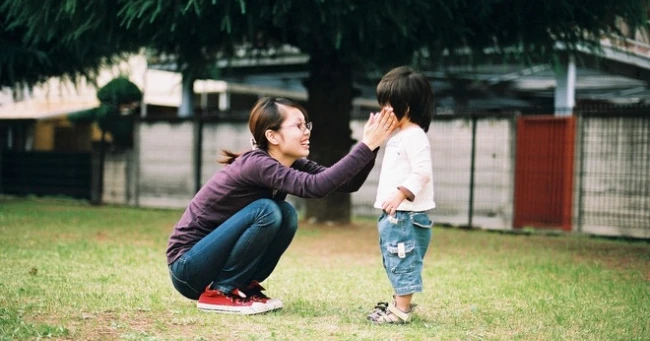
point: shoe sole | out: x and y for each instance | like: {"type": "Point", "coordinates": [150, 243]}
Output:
{"type": "Point", "coordinates": [275, 304]}
{"type": "Point", "coordinates": [251, 310]}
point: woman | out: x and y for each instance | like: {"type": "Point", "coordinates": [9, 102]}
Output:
{"type": "Point", "coordinates": [236, 228]}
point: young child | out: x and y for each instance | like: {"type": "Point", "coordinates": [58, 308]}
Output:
{"type": "Point", "coordinates": [405, 190]}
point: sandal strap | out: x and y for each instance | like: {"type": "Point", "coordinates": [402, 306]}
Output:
{"type": "Point", "coordinates": [400, 314]}
{"type": "Point", "coordinates": [383, 316]}
{"type": "Point", "coordinates": [389, 313]}
{"type": "Point", "coordinates": [381, 305]}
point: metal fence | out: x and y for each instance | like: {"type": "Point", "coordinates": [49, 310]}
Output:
{"type": "Point", "coordinates": [475, 158]}
{"type": "Point", "coordinates": [609, 169]}
{"type": "Point", "coordinates": [613, 167]}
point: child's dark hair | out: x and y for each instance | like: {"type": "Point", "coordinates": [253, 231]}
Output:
{"type": "Point", "coordinates": [407, 91]}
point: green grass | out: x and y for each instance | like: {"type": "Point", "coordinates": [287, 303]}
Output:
{"type": "Point", "coordinates": [74, 271]}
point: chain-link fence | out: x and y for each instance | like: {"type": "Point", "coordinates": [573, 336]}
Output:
{"type": "Point", "coordinates": [475, 158]}
{"type": "Point", "coordinates": [613, 171]}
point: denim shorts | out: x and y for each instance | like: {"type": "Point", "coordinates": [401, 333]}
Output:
{"type": "Point", "coordinates": [404, 239]}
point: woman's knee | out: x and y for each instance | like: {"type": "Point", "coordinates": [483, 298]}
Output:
{"type": "Point", "coordinates": [277, 215]}
{"type": "Point", "coordinates": [176, 273]}
{"type": "Point", "coordinates": [268, 212]}
{"type": "Point", "coordinates": [289, 217]}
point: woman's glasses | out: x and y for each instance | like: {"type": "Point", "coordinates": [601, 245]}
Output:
{"type": "Point", "coordinates": [302, 126]}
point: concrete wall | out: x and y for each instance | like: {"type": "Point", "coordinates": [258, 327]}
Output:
{"type": "Point", "coordinates": [118, 182]}
{"type": "Point", "coordinates": [216, 137]}
{"type": "Point", "coordinates": [166, 174]}
{"type": "Point", "coordinates": [615, 192]}
{"type": "Point", "coordinates": [451, 155]}
{"type": "Point", "coordinates": [612, 185]}
{"type": "Point", "coordinates": [493, 174]}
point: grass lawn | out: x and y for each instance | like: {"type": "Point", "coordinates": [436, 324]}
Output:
{"type": "Point", "coordinates": [74, 271]}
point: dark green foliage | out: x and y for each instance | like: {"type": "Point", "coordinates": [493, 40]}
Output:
{"type": "Point", "coordinates": [119, 91]}
{"type": "Point", "coordinates": [191, 34]}
{"type": "Point", "coordinates": [365, 34]}
{"type": "Point", "coordinates": [110, 119]}
{"type": "Point", "coordinates": [42, 38]}
{"type": "Point", "coordinates": [188, 36]}
{"type": "Point", "coordinates": [531, 30]}
{"type": "Point", "coordinates": [116, 93]}
{"type": "Point", "coordinates": [84, 116]}
{"type": "Point", "coordinates": [49, 38]}
{"type": "Point", "coordinates": [370, 33]}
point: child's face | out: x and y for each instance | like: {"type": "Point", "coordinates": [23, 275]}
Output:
{"type": "Point", "coordinates": [405, 119]}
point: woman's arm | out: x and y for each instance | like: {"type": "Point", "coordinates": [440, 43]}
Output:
{"type": "Point", "coordinates": [265, 171]}
{"type": "Point", "coordinates": [355, 183]}
{"type": "Point", "coordinates": [262, 170]}
{"type": "Point", "coordinates": [352, 185]}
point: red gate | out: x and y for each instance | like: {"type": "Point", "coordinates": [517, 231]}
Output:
{"type": "Point", "coordinates": [544, 172]}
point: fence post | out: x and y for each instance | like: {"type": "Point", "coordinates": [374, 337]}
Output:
{"type": "Point", "coordinates": [1, 152]}
{"type": "Point", "coordinates": [470, 213]}
{"type": "Point", "coordinates": [581, 168]}
{"type": "Point", "coordinates": [134, 171]}
{"type": "Point", "coordinates": [198, 149]}
{"type": "Point", "coordinates": [97, 177]}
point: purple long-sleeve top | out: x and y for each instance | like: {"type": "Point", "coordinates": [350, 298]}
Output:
{"type": "Point", "coordinates": [256, 175]}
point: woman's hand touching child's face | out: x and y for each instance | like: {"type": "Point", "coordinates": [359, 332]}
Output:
{"type": "Point", "coordinates": [379, 127]}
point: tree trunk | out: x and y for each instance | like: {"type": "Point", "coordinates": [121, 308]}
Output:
{"type": "Point", "coordinates": [330, 92]}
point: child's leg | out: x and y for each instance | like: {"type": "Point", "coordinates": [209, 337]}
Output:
{"type": "Point", "coordinates": [403, 263]}
{"type": "Point", "coordinates": [403, 242]}
{"type": "Point", "coordinates": [403, 302]}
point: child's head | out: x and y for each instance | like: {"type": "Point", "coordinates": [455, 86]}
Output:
{"type": "Point", "coordinates": [409, 93]}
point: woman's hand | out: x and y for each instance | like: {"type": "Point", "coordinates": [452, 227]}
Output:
{"type": "Point", "coordinates": [379, 127]}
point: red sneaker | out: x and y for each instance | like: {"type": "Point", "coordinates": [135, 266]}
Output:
{"type": "Point", "coordinates": [254, 292]}
{"type": "Point", "coordinates": [235, 302]}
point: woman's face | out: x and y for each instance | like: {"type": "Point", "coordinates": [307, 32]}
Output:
{"type": "Point", "coordinates": [292, 138]}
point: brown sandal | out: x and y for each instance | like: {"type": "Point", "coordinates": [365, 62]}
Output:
{"type": "Point", "coordinates": [389, 313]}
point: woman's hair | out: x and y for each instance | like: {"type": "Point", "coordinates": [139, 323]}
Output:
{"type": "Point", "coordinates": [266, 114]}
{"type": "Point", "coordinates": [407, 91]}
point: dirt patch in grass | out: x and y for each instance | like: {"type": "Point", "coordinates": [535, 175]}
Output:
{"type": "Point", "coordinates": [110, 325]}
{"type": "Point", "coordinates": [356, 241]}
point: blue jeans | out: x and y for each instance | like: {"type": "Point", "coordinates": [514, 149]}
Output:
{"type": "Point", "coordinates": [404, 241]}
{"type": "Point", "coordinates": [244, 248]}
